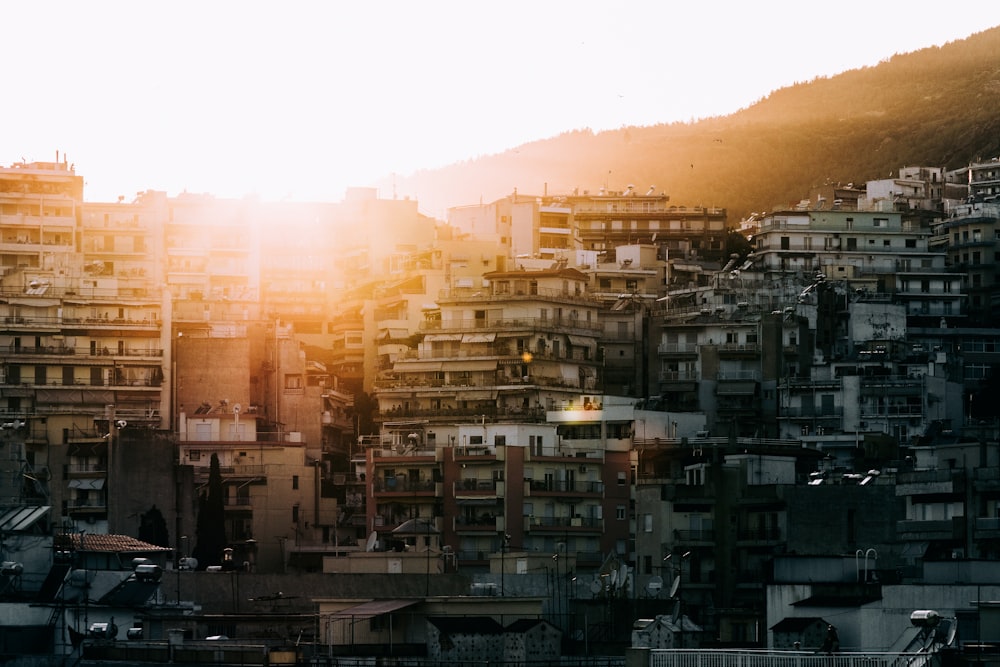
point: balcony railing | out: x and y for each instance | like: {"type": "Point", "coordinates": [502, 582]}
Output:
{"type": "Point", "coordinates": [759, 534]}
{"type": "Point", "coordinates": [476, 485]}
{"type": "Point", "coordinates": [525, 323]}
{"type": "Point", "coordinates": [679, 376]}
{"type": "Point", "coordinates": [564, 522]}
{"type": "Point", "coordinates": [562, 486]}
{"type": "Point", "coordinates": [776, 658]}
{"type": "Point", "coordinates": [103, 352]}
{"type": "Point", "coordinates": [535, 293]}
{"type": "Point", "coordinates": [402, 485]}
{"type": "Point", "coordinates": [677, 348]}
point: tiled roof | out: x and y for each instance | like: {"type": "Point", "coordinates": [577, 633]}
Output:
{"type": "Point", "coordinates": [110, 543]}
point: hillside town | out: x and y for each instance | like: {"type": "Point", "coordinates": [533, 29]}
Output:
{"type": "Point", "coordinates": [552, 426]}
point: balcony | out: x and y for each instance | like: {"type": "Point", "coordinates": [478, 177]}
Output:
{"type": "Point", "coordinates": [694, 537]}
{"type": "Point", "coordinates": [470, 487]}
{"type": "Point", "coordinates": [543, 523]}
{"type": "Point", "coordinates": [542, 487]}
{"type": "Point", "coordinates": [237, 502]}
{"type": "Point", "coordinates": [485, 523]}
{"type": "Point", "coordinates": [566, 322]}
{"type": "Point", "coordinates": [942, 529]}
{"type": "Point", "coordinates": [987, 528]}
{"type": "Point", "coordinates": [456, 295]}
{"type": "Point", "coordinates": [811, 413]}
{"type": "Point", "coordinates": [930, 482]}
{"type": "Point", "coordinates": [738, 350]}
{"type": "Point", "coordinates": [401, 486]}
{"type": "Point", "coordinates": [758, 536]}
{"type": "Point", "coordinates": [674, 350]}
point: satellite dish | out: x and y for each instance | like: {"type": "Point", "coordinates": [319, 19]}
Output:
{"type": "Point", "coordinates": [952, 631]}
{"type": "Point", "coordinates": [623, 574]}
{"type": "Point", "coordinates": [372, 539]}
{"type": "Point", "coordinates": [675, 615]}
{"type": "Point", "coordinates": [675, 586]}
{"type": "Point", "coordinates": [614, 577]}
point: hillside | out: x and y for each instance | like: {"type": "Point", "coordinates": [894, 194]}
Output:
{"type": "Point", "coordinates": [939, 106]}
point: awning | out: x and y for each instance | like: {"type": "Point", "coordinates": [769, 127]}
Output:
{"type": "Point", "coordinates": [392, 334]}
{"type": "Point", "coordinates": [88, 484]}
{"type": "Point", "coordinates": [95, 448]}
{"type": "Point", "coordinates": [474, 365]}
{"type": "Point", "coordinates": [431, 338]}
{"type": "Point", "coordinates": [487, 395]}
{"type": "Point", "coordinates": [22, 518]}
{"type": "Point", "coordinates": [580, 341]}
{"type": "Point", "coordinates": [479, 337]}
{"type": "Point", "coordinates": [35, 303]}
{"type": "Point", "coordinates": [81, 394]}
{"type": "Point", "coordinates": [416, 366]}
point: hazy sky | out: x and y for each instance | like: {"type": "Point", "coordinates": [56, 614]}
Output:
{"type": "Point", "coordinates": [302, 99]}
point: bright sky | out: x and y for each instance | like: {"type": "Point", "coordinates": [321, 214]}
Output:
{"type": "Point", "coordinates": [301, 99]}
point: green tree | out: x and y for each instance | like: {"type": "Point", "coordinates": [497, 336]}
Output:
{"type": "Point", "coordinates": [210, 528]}
{"type": "Point", "coordinates": [153, 527]}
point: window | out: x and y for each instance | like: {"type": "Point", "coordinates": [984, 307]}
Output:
{"type": "Point", "coordinates": [911, 243]}
{"type": "Point", "coordinates": [621, 478]}
{"type": "Point", "coordinates": [194, 455]}
{"type": "Point", "coordinates": [880, 222]}
{"type": "Point", "coordinates": [295, 513]}
{"type": "Point", "coordinates": [295, 481]}
{"type": "Point", "coordinates": [647, 523]}
{"type": "Point", "coordinates": [293, 381]}
{"type": "Point", "coordinates": [785, 241]}
{"type": "Point", "coordinates": [499, 440]}
{"type": "Point", "coordinates": [620, 512]}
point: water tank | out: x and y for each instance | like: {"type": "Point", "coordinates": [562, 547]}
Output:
{"type": "Point", "coordinates": [925, 618]}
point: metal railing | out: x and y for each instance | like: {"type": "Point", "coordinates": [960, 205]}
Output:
{"type": "Point", "coordinates": [775, 658]}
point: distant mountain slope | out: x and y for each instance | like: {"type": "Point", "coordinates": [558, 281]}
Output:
{"type": "Point", "coordinates": [936, 106]}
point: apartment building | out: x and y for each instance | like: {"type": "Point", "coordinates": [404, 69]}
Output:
{"type": "Point", "coordinates": [483, 400]}
{"type": "Point", "coordinates": [711, 514]}
{"type": "Point", "coordinates": [556, 484]}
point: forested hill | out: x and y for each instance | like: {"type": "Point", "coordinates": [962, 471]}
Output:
{"type": "Point", "coordinates": [939, 106]}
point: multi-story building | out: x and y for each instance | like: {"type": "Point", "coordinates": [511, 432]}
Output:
{"type": "Point", "coordinates": [711, 515]}
{"type": "Point", "coordinates": [611, 219]}
{"type": "Point", "coordinates": [556, 484]}
{"type": "Point", "coordinates": [522, 344]}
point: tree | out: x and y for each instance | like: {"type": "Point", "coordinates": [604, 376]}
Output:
{"type": "Point", "coordinates": [210, 529]}
{"type": "Point", "coordinates": [153, 527]}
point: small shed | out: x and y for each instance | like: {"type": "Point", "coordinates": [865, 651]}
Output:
{"type": "Point", "coordinates": [664, 632]}
{"type": "Point", "coordinates": [527, 640]}
{"type": "Point", "coordinates": [808, 631]}
{"type": "Point", "coordinates": [470, 639]}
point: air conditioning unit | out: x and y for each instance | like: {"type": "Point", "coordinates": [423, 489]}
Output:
{"type": "Point", "coordinates": [583, 469]}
